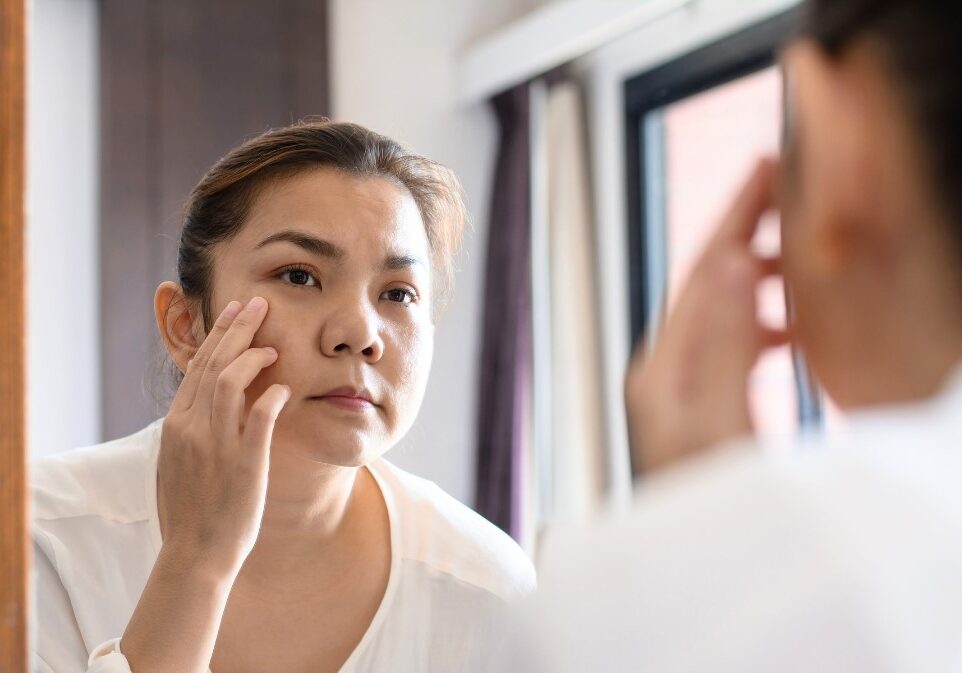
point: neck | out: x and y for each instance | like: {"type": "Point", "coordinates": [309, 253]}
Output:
{"type": "Point", "coordinates": [906, 338]}
{"type": "Point", "coordinates": [908, 373]}
{"type": "Point", "coordinates": [312, 515]}
{"type": "Point", "coordinates": [315, 516]}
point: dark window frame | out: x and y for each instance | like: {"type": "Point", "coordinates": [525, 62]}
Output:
{"type": "Point", "coordinates": [738, 55]}
{"type": "Point", "coordinates": [741, 54]}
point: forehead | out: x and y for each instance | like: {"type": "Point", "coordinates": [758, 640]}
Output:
{"type": "Point", "coordinates": [357, 212]}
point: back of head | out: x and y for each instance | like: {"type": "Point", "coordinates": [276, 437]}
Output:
{"type": "Point", "coordinates": [922, 43]}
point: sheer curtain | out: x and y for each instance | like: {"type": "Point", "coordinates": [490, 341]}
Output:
{"type": "Point", "coordinates": [575, 468]}
{"type": "Point", "coordinates": [541, 445]}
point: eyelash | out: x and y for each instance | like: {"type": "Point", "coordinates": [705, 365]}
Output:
{"type": "Point", "coordinates": [294, 267]}
{"type": "Point", "coordinates": [411, 296]}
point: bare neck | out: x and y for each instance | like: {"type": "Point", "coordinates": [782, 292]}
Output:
{"type": "Point", "coordinates": [316, 515]}
{"type": "Point", "coordinates": [317, 518]}
{"type": "Point", "coordinates": [904, 337]}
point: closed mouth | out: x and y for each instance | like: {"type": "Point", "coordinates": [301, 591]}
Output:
{"type": "Point", "coordinates": [348, 398]}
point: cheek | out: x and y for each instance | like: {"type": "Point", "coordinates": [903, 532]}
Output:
{"type": "Point", "coordinates": [410, 356]}
{"type": "Point", "coordinates": [290, 341]}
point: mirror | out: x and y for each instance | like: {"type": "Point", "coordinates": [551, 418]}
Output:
{"type": "Point", "coordinates": [13, 505]}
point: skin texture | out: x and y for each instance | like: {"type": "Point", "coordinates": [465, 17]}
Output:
{"type": "Point", "coordinates": [867, 253]}
{"type": "Point", "coordinates": [273, 530]}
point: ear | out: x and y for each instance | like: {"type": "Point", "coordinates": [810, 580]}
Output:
{"type": "Point", "coordinates": [834, 114]}
{"type": "Point", "coordinates": [181, 328]}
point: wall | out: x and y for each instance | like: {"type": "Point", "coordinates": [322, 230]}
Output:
{"type": "Point", "coordinates": [182, 82]}
{"type": "Point", "coordinates": [394, 69]}
{"type": "Point", "coordinates": [62, 234]}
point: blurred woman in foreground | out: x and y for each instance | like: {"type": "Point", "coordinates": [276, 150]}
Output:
{"type": "Point", "coordinates": [845, 554]}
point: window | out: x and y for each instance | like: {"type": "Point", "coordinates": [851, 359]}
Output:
{"type": "Point", "coordinates": [695, 128]}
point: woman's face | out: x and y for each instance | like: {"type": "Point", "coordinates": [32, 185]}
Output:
{"type": "Point", "coordinates": [343, 262]}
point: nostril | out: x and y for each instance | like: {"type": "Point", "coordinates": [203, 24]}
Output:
{"type": "Point", "coordinates": [340, 347]}
{"type": "Point", "coordinates": [368, 352]}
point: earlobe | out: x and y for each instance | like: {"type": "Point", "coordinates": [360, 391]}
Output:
{"type": "Point", "coordinates": [175, 323]}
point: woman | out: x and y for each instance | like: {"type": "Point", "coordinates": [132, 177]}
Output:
{"type": "Point", "coordinates": [843, 554]}
{"type": "Point", "coordinates": [257, 527]}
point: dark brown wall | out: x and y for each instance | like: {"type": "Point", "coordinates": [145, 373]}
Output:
{"type": "Point", "coordinates": [182, 82]}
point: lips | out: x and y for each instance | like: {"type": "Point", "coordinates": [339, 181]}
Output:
{"type": "Point", "coordinates": [346, 397]}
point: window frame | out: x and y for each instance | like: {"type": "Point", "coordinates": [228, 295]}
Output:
{"type": "Point", "coordinates": [738, 55]}
{"type": "Point", "coordinates": [741, 54]}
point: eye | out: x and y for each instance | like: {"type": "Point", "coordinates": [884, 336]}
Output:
{"type": "Point", "coordinates": [298, 276]}
{"type": "Point", "coordinates": [400, 295]}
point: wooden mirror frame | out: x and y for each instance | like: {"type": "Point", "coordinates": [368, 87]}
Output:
{"type": "Point", "coordinates": [14, 549]}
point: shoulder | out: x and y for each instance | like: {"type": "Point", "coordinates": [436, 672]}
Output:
{"type": "Point", "coordinates": [108, 480]}
{"type": "Point", "coordinates": [854, 490]}
{"type": "Point", "coordinates": [440, 532]}
{"type": "Point", "coordinates": [776, 543]}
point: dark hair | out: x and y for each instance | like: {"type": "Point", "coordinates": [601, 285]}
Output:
{"type": "Point", "coordinates": [921, 41]}
{"type": "Point", "coordinates": [218, 206]}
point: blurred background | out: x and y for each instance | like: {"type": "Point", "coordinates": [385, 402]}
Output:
{"type": "Point", "coordinates": [597, 141]}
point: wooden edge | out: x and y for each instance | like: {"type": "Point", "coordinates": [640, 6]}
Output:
{"type": "Point", "coordinates": [14, 550]}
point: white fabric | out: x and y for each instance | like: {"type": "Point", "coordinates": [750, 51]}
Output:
{"type": "Point", "coordinates": [577, 479]}
{"type": "Point", "coordinates": [842, 555]}
{"type": "Point", "coordinates": [96, 537]}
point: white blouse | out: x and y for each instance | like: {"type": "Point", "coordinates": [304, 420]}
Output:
{"type": "Point", "coordinates": [837, 555]}
{"type": "Point", "coordinates": [96, 535]}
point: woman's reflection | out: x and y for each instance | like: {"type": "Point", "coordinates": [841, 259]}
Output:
{"type": "Point", "coordinates": [312, 263]}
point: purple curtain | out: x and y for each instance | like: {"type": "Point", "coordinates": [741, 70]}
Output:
{"type": "Point", "coordinates": [505, 375]}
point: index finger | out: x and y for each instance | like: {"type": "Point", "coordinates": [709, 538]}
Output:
{"type": "Point", "coordinates": [755, 199]}
{"type": "Point", "coordinates": [238, 339]}
{"type": "Point", "coordinates": [195, 368]}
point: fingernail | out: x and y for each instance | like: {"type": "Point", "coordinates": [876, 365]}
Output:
{"type": "Point", "coordinates": [289, 391]}
{"type": "Point", "coordinates": [270, 350]}
{"type": "Point", "coordinates": [232, 309]}
{"type": "Point", "coordinates": [256, 304]}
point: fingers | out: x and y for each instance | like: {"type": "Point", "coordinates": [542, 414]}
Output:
{"type": "Point", "coordinates": [775, 338]}
{"type": "Point", "coordinates": [755, 199]}
{"type": "Point", "coordinates": [259, 427]}
{"type": "Point", "coordinates": [235, 341]}
{"type": "Point", "coordinates": [187, 391]}
{"type": "Point", "coordinates": [229, 390]}
{"type": "Point", "coordinates": [769, 266]}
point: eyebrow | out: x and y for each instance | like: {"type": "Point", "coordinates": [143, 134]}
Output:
{"type": "Point", "coordinates": [322, 248]}
{"type": "Point", "coordinates": [312, 244]}
{"type": "Point", "coordinates": [401, 262]}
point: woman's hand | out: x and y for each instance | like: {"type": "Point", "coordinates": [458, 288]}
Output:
{"type": "Point", "coordinates": [691, 391]}
{"type": "Point", "coordinates": [213, 459]}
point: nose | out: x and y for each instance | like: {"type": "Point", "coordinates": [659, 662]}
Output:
{"type": "Point", "coordinates": [352, 329]}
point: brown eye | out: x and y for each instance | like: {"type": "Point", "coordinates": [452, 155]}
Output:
{"type": "Point", "coordinates": [399, 295]}
{"type": "Point", "coordinates": [299, 277]}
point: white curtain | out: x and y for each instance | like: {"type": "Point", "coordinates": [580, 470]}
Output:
{"type": "Point", "coordinates": [578, 443]}
{"type": "Point", "coordinates": [567, 469]}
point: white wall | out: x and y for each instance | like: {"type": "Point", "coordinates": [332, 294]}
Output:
{"type": "Point", "coordinates": [63, 335]}
{"type": "Point", "coordinates": [394, 70]}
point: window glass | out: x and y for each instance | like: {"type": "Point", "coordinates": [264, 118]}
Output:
{"type": "Point", "coordinates": [709, 144]}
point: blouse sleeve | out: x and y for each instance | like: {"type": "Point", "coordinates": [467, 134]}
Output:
{"type": "Point", "coordinates": [58, 646]}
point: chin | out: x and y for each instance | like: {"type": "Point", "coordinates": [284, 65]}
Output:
{"type": "Point", "coordinates": [334, 441]}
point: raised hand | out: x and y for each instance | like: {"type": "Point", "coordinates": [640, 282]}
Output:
{"type": "Point", "coordinates": [691, 391]}
{"type": "Point", "coordinates": [213, 457]}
